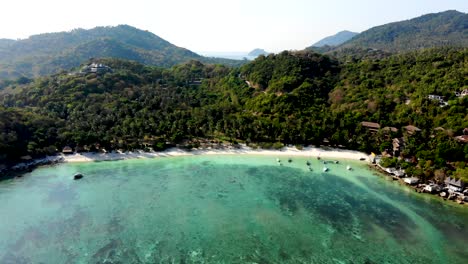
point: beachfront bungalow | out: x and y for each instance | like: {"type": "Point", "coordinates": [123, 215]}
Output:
{"type": "Point", "coordinates": [371, 126]}
{"type": "Point", "coordinates": [454, 184]}
{"type": "Point", "coordinates": [411, 180]}
{"type": "Point", "coordinates": [432, 188]}
{"type": "Point", "coordinates": [399, 173]}
{"type": "Point", "coordinates": [67, 150]}
{"type": "Point", "coordinates": [410, 129]}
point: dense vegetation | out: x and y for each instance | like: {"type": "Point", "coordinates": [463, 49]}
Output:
{"type": "Point", "coordinates": [49, 53]}
{"type": "Point", "coordinates": [288, 98]}
{"type": "Point", "coordinates": [447, 28]}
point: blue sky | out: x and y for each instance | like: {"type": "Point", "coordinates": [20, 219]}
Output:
{"type": "Point", "coordinates": [217, 25]}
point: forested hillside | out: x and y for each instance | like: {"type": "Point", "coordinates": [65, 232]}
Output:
{"type": "Point", "coordinates": [288, 98]}
{"type": "Point", "coordinates": [51, 52]}
{"type": "Point", "coordinates": [449, 28]}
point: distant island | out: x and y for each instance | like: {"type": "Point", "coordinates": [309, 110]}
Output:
{"type": "Point", "coordinates": [257, 52]}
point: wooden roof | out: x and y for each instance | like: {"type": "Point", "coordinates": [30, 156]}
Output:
{"type": "Point", "coordinates": [412, 128]}
{"type": "Point", "coordinates": [67, 149]}
{"type": "Point", "coordinates": [370, 124]}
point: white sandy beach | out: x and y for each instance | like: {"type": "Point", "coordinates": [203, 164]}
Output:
{"type": "Point", "coordinates": [287, 151]}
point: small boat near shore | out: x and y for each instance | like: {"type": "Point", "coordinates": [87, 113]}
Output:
{"type": "Point", "coordinates": [77, 176]}
{"type": "Point", "coordinates": [325, 169]}
{"type": "Point", "coordinates": [349, 168]}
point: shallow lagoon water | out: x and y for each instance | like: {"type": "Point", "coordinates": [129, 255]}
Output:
{"type": "Point", "coordinates": [223, 209]}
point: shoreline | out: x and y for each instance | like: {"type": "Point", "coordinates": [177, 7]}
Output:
{"type": "Point", "coordinates": [227, 150]}
{"type": "Point", "coordinates": [311, 152]}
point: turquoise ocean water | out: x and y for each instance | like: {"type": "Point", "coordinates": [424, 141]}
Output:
{"type": "Point", "coordinates": [223, 209]}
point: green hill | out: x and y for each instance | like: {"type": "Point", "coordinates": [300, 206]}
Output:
{"type": "Point", "coordinates": [49, 53]}
{"type": "Point", "coordinates": [449, 28]}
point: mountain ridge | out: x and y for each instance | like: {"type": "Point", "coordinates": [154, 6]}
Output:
{"type": "Point", "coordinates": [448, 28]}
{"type": "Point", "coordinates": [48, 53]}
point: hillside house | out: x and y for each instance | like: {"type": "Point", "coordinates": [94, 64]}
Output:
{"type": "Point", "coordinates": [195, 82]}
{"type": "Point", "coordinates": [371, 126]}
{"type": "Point", "coordinates": [95, 68]}
{"type": "Point", "coordinates": [438, 98]}
{"type": "Point", "coordinates": [454, 184]}
{"type": "Point", "coordinates": [410, 129]}
{"type": "Point", "coordinates": [435, 97]}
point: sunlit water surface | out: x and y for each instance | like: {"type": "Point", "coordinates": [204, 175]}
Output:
{"type": "Point", "coordinates": [223, 209]}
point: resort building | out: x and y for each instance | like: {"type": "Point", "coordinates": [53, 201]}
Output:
{"type": "Point", "coordinates": [411, 180]}
{"type": "Point", "coordinates": [432, 188]}
{"type": "Point", "coordinates": [410, 129]}
{"type": "Point", "coordinates": [371, 126]}
{"type": "Point", "coordinates": [454, 185]}
{"type": "Point", "coordinates": [67, 150]}
{"type": "Point", "coordinates": [95, 68]}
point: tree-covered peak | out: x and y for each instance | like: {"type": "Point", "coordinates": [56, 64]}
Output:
{"type": "Point", "coordinates": [288, 70]}
{"type": "Point", "coordinates": [449, 28]}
